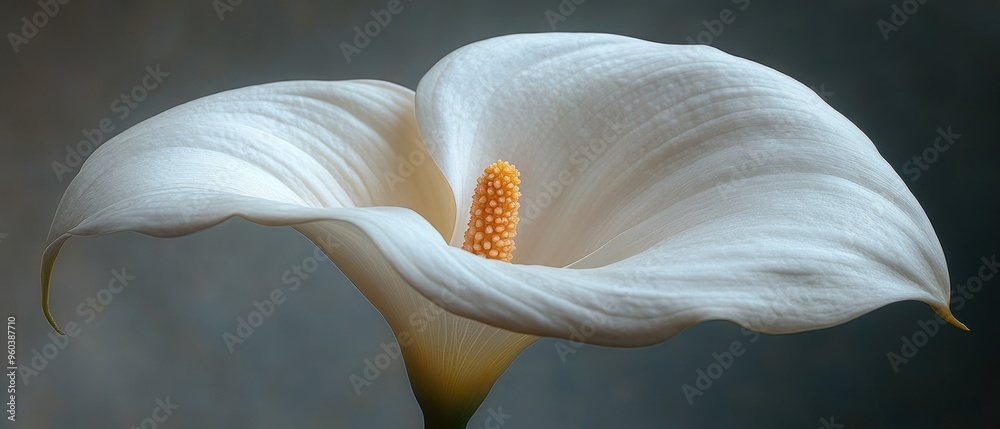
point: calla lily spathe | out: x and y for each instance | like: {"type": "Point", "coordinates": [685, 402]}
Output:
{"type": "Point", "coordinates": [662, 186]}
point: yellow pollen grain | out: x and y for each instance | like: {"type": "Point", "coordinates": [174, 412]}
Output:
{"type": "Point", "coordinates": [493, 221]}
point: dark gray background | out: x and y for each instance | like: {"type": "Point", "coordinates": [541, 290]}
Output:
{"type": "Point", "coordinates": [162, 336]}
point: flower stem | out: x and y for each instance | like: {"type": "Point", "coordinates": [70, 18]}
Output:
{"type": "Point", "coordinates": [441, 421]}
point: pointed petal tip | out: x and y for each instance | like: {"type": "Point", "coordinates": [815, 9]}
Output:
{"type": "Point", "coordinates": [945, 314]}
{"type": "Point", "coordinates": [48, 261]}
{"type": "Point", "coordinates": [52, 322]}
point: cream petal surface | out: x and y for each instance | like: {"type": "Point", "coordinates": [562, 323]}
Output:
{"type": "Point", "coordinates": [301, 154]}
{"type": "Point", "coordinates": [715, 188]}
{"type": "Point", "coordinates": [262, 151]}
{"type": "Point", "coordinates": [309, 143]}
{"type": "Point", "coordinates": [678, 183]}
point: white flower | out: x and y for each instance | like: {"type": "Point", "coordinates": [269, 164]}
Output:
{"type": "Point", "coordinates": [662, 186]}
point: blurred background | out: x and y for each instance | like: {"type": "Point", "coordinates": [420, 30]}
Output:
{"type": "Point", "coordinates": [158, 343]}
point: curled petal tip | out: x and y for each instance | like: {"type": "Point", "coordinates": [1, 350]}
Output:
{"type": "Point", "coordinates": [52, 322]}
{"type": "Point", "coordinates": [47, 311]}
{"type": "Point", "coordinates": [48, 260]}
{"type": "Point", "coordinates": [945, 314]}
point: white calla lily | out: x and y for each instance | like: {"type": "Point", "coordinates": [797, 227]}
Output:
{"type": "Point", "coordinates": [662, 186]}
